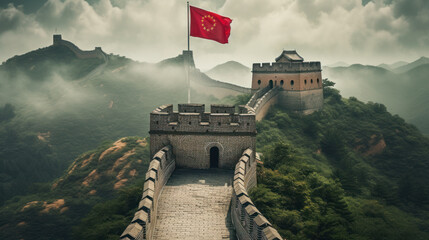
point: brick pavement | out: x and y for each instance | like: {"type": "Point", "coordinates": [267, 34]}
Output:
{"type": "Point", "coordinates": [194, 204]}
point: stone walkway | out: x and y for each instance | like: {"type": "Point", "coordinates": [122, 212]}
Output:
{"type": "Point", "coordinates": [194, 204]}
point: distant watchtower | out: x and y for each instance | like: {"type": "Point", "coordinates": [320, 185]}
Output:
{"type": "Point", "coordinates": [300, 82]}
{"type": "Point", "coordinates": [203, 139]}
{"type": "Point", "coordinates": [57, 39]}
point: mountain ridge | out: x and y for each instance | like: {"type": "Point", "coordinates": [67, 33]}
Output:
{"type": "Point", "coordinates": [231, 72]}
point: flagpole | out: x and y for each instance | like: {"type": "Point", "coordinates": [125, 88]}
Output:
{"type": "Point", "coordinates": [187, 63]}
{"type": "Point", "coordinates": [188, 24]}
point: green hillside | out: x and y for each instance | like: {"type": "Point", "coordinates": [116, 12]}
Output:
{"type": "Point", "coordinates": [38, 65]}
{"type": "Point", "coordinates": [402, 93]}
{"type": "Point", "coordinates": [350, 171]}
{"type": "Point", "coordinates": [108, 179]}
{"type": "Point", "coordinates": [60, 110]}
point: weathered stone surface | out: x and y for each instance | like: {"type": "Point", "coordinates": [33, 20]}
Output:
{"type": "Point", "coordinates": [194, 204]}
{"type": "Point", "coordinates": [132, 231]}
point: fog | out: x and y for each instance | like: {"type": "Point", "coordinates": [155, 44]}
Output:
{"type": "Point", "coordinates": [381, 31]}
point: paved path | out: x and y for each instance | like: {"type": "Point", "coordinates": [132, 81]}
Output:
{"type": "Point", "coordinates": [194, 204]}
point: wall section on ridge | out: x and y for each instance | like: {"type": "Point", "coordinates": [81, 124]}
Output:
{"type": "Point", "coordinates": [248, 221]}
{"type": "Point", "coordinates": [160, 169]}
{"type": "Point", "coordinates": [305, 101]}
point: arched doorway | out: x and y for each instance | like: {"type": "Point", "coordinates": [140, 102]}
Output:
{"type": "Point", "coordinates": [271, 83]}
{"type": "Point", "coordinates": [214, 157]}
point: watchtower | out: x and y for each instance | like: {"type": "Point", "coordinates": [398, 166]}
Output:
{"type": "Point", "coordinates": [203, 139]}
{"type": "Point", "coordinates": [57, 39]}
{"type": "Point", "coordinates": [300, 82]}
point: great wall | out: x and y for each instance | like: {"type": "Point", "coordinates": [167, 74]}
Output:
{"type": "Point", "coordinates": [196, 148]}
{"type": "Point", "coordinates": [204, 163]}
{"type": "Point", "coordinates": [96, 53]}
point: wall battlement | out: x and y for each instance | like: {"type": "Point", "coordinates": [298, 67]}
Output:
{"type": "Point", "coordinates": [96, 53]}
{"type": "Point", "coordinates": [248, 221]}
{"type": "Point", "coordinates": [191, 118]}
{"type": "Point", "coordinates": [160, 169]}
{"type": "Point", "coordinates": [282, 67]}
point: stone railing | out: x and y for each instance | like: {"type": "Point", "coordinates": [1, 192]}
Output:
{"type": "Point", "coordinates": [160, 169]}
{"type": "Point", "coordinates": [248, 221]}
{"type": "Point", "coordinates": [261, 101]}
{"type": "Point", "coordinates": [252, 102]}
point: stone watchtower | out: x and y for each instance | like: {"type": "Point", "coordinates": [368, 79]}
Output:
{"type": "Point", "coordinates": [300, 82]}
{"type": "Point", "coordinates": [202, 139]}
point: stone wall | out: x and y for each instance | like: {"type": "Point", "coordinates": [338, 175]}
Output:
{"type": "Point", "coordinates": [264, 103]}
{"type": "Point", "coordinates": [286, 67]}
{"type": "Point", "coordinates": [193, 133]}
{"type": "Point", "coordinates": [248, 221]}
{"type": "Point", "coordinates": [160, 169]}
{"type": "Point", "coordinates": [300, 82]}
{"type": "Point", "coordinates": [287, 81]}
{"type": "Point", "coordinates": [303, 101]}
{"type": "Point", "coordinates": [258, 93]}
{"type": "Point", "coordinates": [96, 53]}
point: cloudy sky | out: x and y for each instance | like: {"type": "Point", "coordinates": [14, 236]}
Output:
{"type": "Point", "coordinates": [378, 31]}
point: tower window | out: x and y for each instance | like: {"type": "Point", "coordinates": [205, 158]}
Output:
{"type": "Point", "coordinates": [317, 81]}
{"type": "Point", "coordinates": [281, 83]}
{"type": "Point", "coordinates": [311, 81]}
{"type": "Point", "coordinates": [259, 82]}
{"type": "Point", "coordinates": [305, 81]}
{"type": "Point", "coordinates": [291, 82]}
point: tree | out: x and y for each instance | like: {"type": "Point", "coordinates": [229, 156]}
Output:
{"type": "Point", "coordinates": [326, 83]}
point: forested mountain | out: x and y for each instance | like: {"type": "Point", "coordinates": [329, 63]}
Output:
{"type": "Point", "coordinates": [402, 93]}
{"type": "Point", "coordinates": [350, 171]}
{"type": "Point", "coordinates": [70, 207]}
{"type": "Point", "coordinates": [54, 106]}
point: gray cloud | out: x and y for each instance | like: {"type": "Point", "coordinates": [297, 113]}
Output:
{"type": "Point", "coordinates": [150, 30]}
{"type": "Point", "coordinates": [9, 18]}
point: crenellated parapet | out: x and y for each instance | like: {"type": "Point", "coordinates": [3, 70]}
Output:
{"type": "Point", "coordinates": [286, 67]}
{"type": "Point", "coordinates": [160, 169]}
{"type": "Point", "coordinates": [196, 134]}
{"type": "Point", "coordinates": [192, 118]}
{"type": "Point", "coordinates": [248, 220]}
{"type": "Point", "coordinates": [300, 82]}
{"type": "Point", "coordinates": [96, 53]}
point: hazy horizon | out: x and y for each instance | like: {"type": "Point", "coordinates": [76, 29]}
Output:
{"type": "Point", "coordinates": [379, 31]}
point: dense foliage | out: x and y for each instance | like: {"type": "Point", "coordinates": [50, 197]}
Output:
{"type": "Point", "coordinates": [350, 171]}
{"type": "Point", "coordinates": [92, 200]}
{"type": "Point", "coordinates": [25, 159]}
{"type": "Point", "coordinates": [52, 110]}
{"type": "Point", "coordinates": [403, 91]}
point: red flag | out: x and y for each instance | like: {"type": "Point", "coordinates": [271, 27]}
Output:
{"type": "Point", "coordinates": [209, 25]}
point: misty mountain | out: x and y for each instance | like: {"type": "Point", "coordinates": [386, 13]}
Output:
{"type": "Point", "coordinates": [407, 67]}
{"type": "Point", "coordinates": [64, 105]}
{"type": "Point", "coordinates": [403, 93]}
{"type": "Point", "coordinates": [231, 72]}
{"type": "Point", "coordinates": [339, 64]}
{"type": "Point", "coordinates": [393, 65]}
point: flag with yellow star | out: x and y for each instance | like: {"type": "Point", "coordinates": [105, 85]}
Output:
{"type": "Point", "coordinates": [209, 25]}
